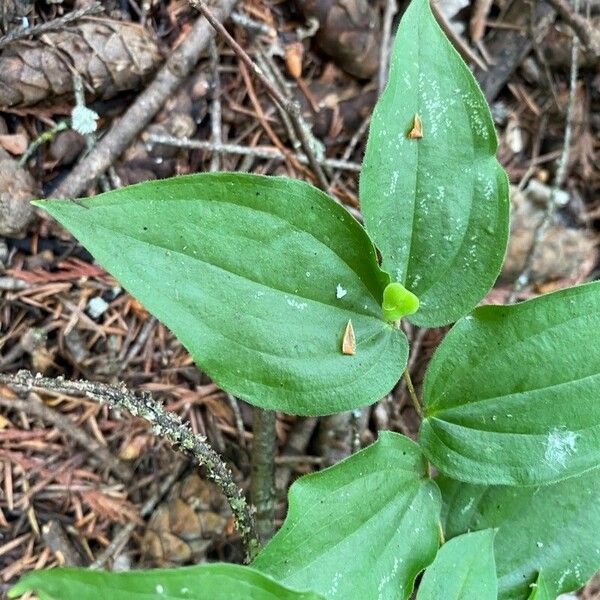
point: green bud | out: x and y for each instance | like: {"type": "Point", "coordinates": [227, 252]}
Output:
{"type": "Point", "coordinates": [398, 302]}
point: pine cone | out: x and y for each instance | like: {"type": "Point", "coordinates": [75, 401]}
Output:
{"type": "Point", "coordinates": [17, 189]}
{"type": "Point", "coordinates": [12, 11]}
{"type": "Point", "coordinates": [184, 527]}
{"type": "Point", "coordinates": [111, 57]}
{"type": "Point", "coordinates": [349, 32]}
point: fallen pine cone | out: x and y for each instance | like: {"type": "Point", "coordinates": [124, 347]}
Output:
{"type": "Point", "coordinates": [184, 527]}
{"type": "Point", "coordinates": [12, 11]}
{"type": "Point", "coordinates": [349, 32]}
{"type": "Point", "coordinates": [111, 57]}
{"type": "Point", "coordinates": [17, 189]}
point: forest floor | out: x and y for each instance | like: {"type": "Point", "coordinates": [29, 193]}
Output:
{"type": "Point", "coordinates": [81, 484]}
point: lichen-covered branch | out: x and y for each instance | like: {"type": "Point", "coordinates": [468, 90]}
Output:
{"type": "Point", "coordinates": [165, 424]}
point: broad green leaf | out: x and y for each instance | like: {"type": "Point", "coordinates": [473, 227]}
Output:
{"type": "Point", "coordinates": [463, 569]}
{"type": "Point", "coordinates": [258, 277]}
{"type": "Point", "coordinates": [540, 591]}
{"type": "Point", "coordinates": [203, 582]}
{"type": "Point", "coordinates": [436, 206]}
{"type": "Point", "coordinates": [512, 393]}
{"type": "Point", "coordinates": [363, 528]}
{"type": "Point", "coordinates": [553, 529]}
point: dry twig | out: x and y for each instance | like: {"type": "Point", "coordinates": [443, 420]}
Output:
{"type": "Point", "coordinates": [164, 424]}
{"type": "Point", "coordinates": [54, 25]}
{"type": "Point", "coordinates": [587, 33]}
{"type": "Point", "coordinates": [291, 108]}
{"type": "Point", "coordinates": [391, 8]}
{"type": "Point", "coordinates": [141, 112]}
{"type": "Point", "coordinates": [461, 46]}
{"type": "Point", "coordinates": [256, 151]}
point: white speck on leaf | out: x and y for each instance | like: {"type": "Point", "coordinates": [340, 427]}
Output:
{"type": "Point", "coordinates": [334, 585]}
{"type": "Point", "coordinates": [296, 304]}
{"type": "Point", "coordinates": [160, 589]}
{"type": "Point", "coordinates": [468, 506]}
{"type": "Point", "coordinates": [560, 444]}
{"type": "Point", "coordinates": [340, 292]}
{"type": "Point", "coordinates": [387, 579]}
{"type": "Point", "coordinates": [539, 544]}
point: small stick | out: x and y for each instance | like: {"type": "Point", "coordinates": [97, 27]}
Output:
{"type": "Point", "coordinates": [55, 24]}
{"type": "Point", "coordinates": [164, 424]}
{"type": "Point", "coordinates": [247, 22]}
{"type": "Point", "coordinates": [288, 105]}
{"type": "Point", "coordinates": [479, 14]}
{"type": "Point", "coordinates": [45, 136]}
{"type": "Point", "coordinates": [461, 46]}
{"type": "Point", "coordinates": [412, 393]}
{"type": "Point", "coordinates": [257, 151]}
{"type": "Point", "coordinates": [391, 9]}
{"type": "Point", "coordinates": [525, 276]}
{"type": "Point", "coordinates": [124, 130]}
{"type": "Point", "coordinates": [583, 29]}
{"type": "Point", "coordinates": [215, 105]}
{"type": "Point", "coordinates": [239, 423]}
{"type": "Point", "coordinates": [354, 141]}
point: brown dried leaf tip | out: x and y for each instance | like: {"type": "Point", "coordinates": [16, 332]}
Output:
{"type": "Point", "coordinates": [416, 133]}
{"type": "Point", "coordinates": [349, 341]}
{"type": "Point", "coordinates": [294, 53]}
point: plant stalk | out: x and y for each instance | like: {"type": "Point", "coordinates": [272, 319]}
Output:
{"type": "Point", "coordinates": [413, 395]}
{"type": "Point", "coordinates": [262, 485]}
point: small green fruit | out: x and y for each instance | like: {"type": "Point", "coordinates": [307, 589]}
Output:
{"type": "Point", "coordinates": [398, 302]}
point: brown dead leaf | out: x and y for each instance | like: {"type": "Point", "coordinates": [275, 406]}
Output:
{"type": "Point", "coordinates": [115, 508]}
{"type": "Point", "coordinates": [132, 448]}
{"type": "Point", "coordinates": [15, 143]}
{"type": "Point", "coordinates": [294, 53]}
{"type": "Point", "coordinates": [416, 132]}
{"type": "Point", "coordinates": [349, 341]}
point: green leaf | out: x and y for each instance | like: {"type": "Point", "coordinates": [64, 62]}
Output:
{"type": "Point", "coordinates": [552, 528]}
{"type": "Point", "coordinates": [203, 582]}
{"type": "Point", "coordinates": [258, 277]}
{"type": "Point", "coordinates": [540, 590]}
{"type": "Point", "coordinates": [463, 569]}
{"type": "Point", "coordinates": [511, 394]}
{"type": "Point", "coordinates": [363, 528]}
{"type": "Point", "coordinates": [436, 207]}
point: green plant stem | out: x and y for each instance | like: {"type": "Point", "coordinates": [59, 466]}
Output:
{"type": "Point", "coordinates": [413, 395]}
{"type": "Point", "coordinates": [45, 136]}
{"type": "Point", "coordinates": [262, 485]}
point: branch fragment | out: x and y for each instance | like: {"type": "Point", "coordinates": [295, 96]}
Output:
{"type": "Point", "coordinates": [164, 424]}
